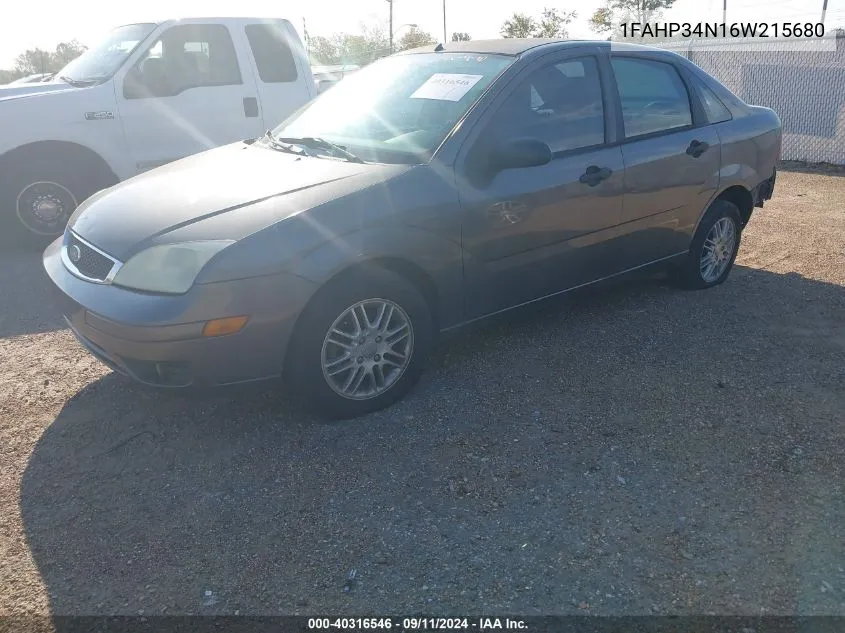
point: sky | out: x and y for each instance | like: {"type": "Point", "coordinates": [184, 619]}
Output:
{"type": "Point", "coordinates": [29, 25]}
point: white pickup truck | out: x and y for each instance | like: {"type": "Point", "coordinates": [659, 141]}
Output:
{"type": "Point", "coordinates": [146, 95]}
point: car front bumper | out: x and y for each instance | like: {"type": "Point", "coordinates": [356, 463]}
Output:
{"type": "Point", "coordinates": [158, 340]}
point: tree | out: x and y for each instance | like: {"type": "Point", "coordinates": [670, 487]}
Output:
{"type": "Point", "coordinates": [602, 20]}
{"type": "Point", "coordinates": [519, 25]}
{"type": "Point", "coordinates": [553, 24]}
{"type": "Point", "coordinates": [66, 52]}
{"type": "Point", "coordinates": [34, 60]}
{"type": "Point", "coordinates": [344, 48]}
{"type": "Point", "coordinates": [9, 75]}
{"type": "Point", "coordinates": [627, 11]}
{"type": "Point", "coordinates": [461, 37]}
{"type": "Point", "coordinates": [363, 49]}
{"type": "Point", "coordinates": [324, 50]}
{"type": "Point", "coordinates": [414, 38]}
{"type": "Point", "coordinates": [37, 60]}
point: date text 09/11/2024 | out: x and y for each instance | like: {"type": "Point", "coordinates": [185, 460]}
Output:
{"type": "Point", "coordinates": [645, 30]}
{"type": "Point", "coordinates": [416, 624]}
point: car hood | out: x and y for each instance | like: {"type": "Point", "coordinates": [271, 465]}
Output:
{"type": "Point", "coordinates": [8, 93]}
{"type": "Point", "coordinates": [225, 193]}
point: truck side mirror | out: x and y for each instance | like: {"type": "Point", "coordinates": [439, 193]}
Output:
{"type": "Point", "coordinates": [324, 84]}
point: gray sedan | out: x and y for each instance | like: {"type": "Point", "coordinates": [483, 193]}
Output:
{"type": "Point", "coordinates": [428, 190]}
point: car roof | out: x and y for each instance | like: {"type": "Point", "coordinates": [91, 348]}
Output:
{"type": "Point", "coordinates": [518, 46]}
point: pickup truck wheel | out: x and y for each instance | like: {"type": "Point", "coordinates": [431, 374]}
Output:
{"type": "Point", "coordinates": [714, 248]}
{"type": "Point", "coordinates": [37, 202]}
{"type": "Point", "coordinates": [361, 344]}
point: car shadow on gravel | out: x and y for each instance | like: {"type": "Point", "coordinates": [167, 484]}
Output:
{"type": "Point", "coordinates": [629, 450]}
{"type": "Point", "coordinates": [25, 298]}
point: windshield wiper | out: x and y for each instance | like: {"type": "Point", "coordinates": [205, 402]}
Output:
{"type": "Point", "coordinates": [281, 145]}
{"type": "Point", "coordinates": [320, 143]}
{"type": "Point", "coordinates": [78, 83]}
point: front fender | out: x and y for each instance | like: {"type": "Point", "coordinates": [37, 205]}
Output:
{"type": "Point", "coordinates": [439, 258]}
{"type": "Point", "coordinates": [85, 117]}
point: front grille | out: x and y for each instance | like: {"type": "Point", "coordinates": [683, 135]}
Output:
{"type": "Point", "coordinates": [90, 263]}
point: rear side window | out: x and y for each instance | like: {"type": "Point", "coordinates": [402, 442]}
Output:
{"type": "Point", "coordinates": [272, 54]}
{"type": "Point", "coordinates": [653, 95]}
{"type": "Point", "coordinates": [714, 109]}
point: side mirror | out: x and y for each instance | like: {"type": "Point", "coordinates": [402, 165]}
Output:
{"type": "Point", "coordinates": [324, 84]}
{"type": "Point", "coordinates": [519, 153]}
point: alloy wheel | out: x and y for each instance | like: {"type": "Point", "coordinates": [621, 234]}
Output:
{"type": "Point", "coordinates": [718, 249]}
{"type": "Point", "coordinates": [367, 349]}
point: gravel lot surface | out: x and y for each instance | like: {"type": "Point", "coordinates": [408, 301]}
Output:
{"type": "Point", "coordinates": [633, 449]}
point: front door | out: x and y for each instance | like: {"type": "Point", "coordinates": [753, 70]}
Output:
{"type": "Point", "coordinates": [671, 161]}
{"type": "Point", "coordinates": [187, 95]}
{"type": "Point", "coordinates": [532, 232]}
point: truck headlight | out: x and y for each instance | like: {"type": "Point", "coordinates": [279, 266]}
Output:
{"type": "Point", "coordinates": [169, 268]}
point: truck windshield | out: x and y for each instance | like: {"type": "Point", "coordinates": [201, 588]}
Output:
{"type": "Point", "coordinates": [398, 109]}
{"type": "Point", "coordinates": [102, 60]}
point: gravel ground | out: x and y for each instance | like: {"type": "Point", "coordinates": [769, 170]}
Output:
{"type": "Point", "coordinates": [633, 449]}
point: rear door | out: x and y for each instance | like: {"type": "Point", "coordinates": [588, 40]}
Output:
{"type": "Point", "coordinates": [537, 231]}
{"type": "Point", "coordinates": [672, 158]}
{"type": "Point", "coordinates": [186, 94]}
{"type": "Point", "coordinates": [283, 76]}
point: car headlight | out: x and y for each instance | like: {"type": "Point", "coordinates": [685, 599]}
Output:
{"type": "Point", "coordinates": [169, 268]}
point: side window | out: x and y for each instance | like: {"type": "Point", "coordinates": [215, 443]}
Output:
{"type": "Point", "coordinates": [186, 56]}
{"type": "Point", "coordinates": [715, 110]}
{"type": "Point", "coordinates": [272, 54]}
{"type": "Point", "coordinates": [559, 104]}
{"type": "Point", "coordinates": [653, 95]}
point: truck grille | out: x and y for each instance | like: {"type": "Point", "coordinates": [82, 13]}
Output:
{"type": "Point", "coordinates": [88, 262]}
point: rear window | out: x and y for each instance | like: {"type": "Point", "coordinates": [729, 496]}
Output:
{"type": "Point", "coordinates": [273, 56]}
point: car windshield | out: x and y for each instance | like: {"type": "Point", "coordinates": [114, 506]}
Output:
{"type": "Point", "coordinates": [104, 58]}
{"type": "Point", "coordinates": [398, 109]}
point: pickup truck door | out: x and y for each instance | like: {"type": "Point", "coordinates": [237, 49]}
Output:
{"type": "Point", "coordinates": [190, 92]}
{"type": "Point", "coordinates": [283, 76]}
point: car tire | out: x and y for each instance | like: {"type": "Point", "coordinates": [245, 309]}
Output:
{"type": "Point", "coordinates": [321, 361]}
{"type": "Point", "coordinates": [714, 248]}
{"type": "Point", "coordinates": [36, 202]}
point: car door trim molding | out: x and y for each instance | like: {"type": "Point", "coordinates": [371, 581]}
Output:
{"type": "Point", "coordinates": [562, 292]}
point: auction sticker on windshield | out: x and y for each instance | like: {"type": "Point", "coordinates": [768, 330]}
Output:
{"type": "Point", "coordinates": [446, 87]}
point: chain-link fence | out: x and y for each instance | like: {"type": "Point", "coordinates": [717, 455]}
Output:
{"type": "Point", "coordinates": [804, 85]}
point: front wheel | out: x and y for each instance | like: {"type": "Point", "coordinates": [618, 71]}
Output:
{"type": "Point", "coordinates": [714, 248]}
{"type": "Point", "coordinates": [37, 197]}
{"type": "Point", "coordinates": [361, 344]}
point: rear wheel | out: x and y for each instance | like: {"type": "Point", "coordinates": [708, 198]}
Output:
{"type": "Point", "coordinates": [714, 248]}
{"type": "Point", "coordinates": [361, 344]}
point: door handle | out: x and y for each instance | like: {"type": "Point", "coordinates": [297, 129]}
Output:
{"type": "Point", "coordinates": [594, 175]}
{"type": "Point", "coordinates": [697, 148]}
{"type": "Point", "coordinates": [250, 107]}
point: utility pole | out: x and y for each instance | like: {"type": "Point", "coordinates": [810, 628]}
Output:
{"type": "Point", "coordinates": [824, 10]}
{"type": "Point", "coordinates": [725, 11]}
{"type": "Point", "coordinates": [445, 39]}
{"type": "Point", "coordinates": [390, 2]}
